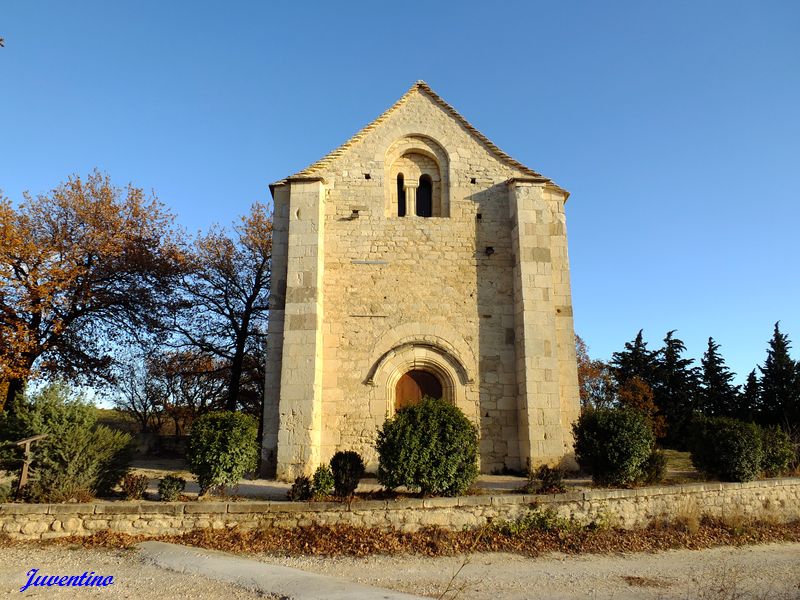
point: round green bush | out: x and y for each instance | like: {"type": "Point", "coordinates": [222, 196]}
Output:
{"type": "Point", "coordinates": [348, 469]}
{"type": "Point", "coordinates": [727, 449]}
{"type": "Point", "coordinates": [432, 447]}
{"type": "Point", "coordinates": [170, 488]}
{"type": "Point", "coordinates": [779, 452]}
{"type": "Point", "coordinates": [223, 447]}
{"type": "Point", "coordinates": [613, 445]}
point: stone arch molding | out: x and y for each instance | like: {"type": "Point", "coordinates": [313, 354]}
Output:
{"type": "Point", "coordinates": [443, 337]}
{"type": "Point", "coordinates": [428, 148]}
{"type": "Point", "coordinates": [414, 346]}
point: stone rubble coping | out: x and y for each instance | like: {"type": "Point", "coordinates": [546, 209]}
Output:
{"type": "Point", "coordinates": [274, 506]}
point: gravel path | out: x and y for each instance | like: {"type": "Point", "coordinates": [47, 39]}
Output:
{"type": "Point", "coordinates": [763, 572]}
{"type": "Point", "coordinates": [770, 571]}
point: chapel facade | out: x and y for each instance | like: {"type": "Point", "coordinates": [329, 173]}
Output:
{"type": "Point", "coordinates": [418, 258]}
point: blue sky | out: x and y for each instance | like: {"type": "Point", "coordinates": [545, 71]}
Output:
{"type": "Point", "coordinates": [675, 125]}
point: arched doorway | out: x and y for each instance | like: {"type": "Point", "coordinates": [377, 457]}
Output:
{"type": "Point", "coordinates": [413, 385]}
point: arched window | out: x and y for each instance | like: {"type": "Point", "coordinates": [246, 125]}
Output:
{"type": "Point", "coordinates": [425, 197]}
{"type": "Point", "coordinates": [401, 196]}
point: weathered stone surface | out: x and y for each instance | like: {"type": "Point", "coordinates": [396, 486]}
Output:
{"type": "Point", "coordinates": [165, 508]}
{"type": "Point", "coordinates": [777, 500]}
{"type": "Point", "coordinates": [249, 507]}
{"type": "Point", "coordinates": [205, 507]}
{"type": "Point", "coordinates": [32, 527]}
{"type": "Point", "coordinates": [118, 509]}
{"type": "Point", "coordinates": [68, 509]}
{"type": "Point", "coordinates": [478, 294]}
{"type": "Point", "coordinates": [23, 509]}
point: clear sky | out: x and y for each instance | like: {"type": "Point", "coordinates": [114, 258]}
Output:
{"type": "Point", "coordinates": [675, 125]}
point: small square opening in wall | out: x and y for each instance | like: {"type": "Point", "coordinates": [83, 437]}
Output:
{"type": "Point", "coordinates": [473, 180]}
{"type": "Point", "coordinates": [367, 176]}
{"type": "Point", "coordinates": [479, 216]}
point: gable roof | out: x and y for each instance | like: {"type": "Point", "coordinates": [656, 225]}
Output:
{"type": "Point", "coordinates": [313, 169]}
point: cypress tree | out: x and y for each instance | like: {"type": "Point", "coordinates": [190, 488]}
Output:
{"type": "Point", "coordinates": [750, 399]}
{"type": "Point", "coordinates": [780, 384]}
{"type": "Point", "coordinates": [718, 396]}
{"type": "Point", "coordinates": [675, 388]}
{"type": "Point", "coordinates": [635, 361]}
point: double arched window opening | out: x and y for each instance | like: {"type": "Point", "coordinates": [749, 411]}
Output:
{"type": "Point", "coordinates": [423, 205]}
{"type": "Point", "coordinates": [416, 178]}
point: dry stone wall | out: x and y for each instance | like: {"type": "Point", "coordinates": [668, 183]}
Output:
{"type": "Point", "coordinates": [777, 500]}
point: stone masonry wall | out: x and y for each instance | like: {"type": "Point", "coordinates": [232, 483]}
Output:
{"type": "Point", "coordinates": [383, 271]}
{"type": "Point", "coordinates": [775, 499]}
{"type": "Point", "coordinates": [434, 293]}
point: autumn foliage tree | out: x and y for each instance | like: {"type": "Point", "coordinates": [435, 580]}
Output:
{"type": "Point", "coordinates": [595, 382]}
{"type": "Point", "coordinates": [82, 268]}
{"type": "Point", "coordinates": [636, 394]}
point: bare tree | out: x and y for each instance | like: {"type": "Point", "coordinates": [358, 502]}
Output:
{"type": "Point", "coordinates": [223, 304]}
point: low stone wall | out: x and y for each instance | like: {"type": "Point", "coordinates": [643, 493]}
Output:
{"type": "Point", "coordinates": [774, 499]}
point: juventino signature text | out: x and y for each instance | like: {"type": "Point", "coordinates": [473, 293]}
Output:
{"type": "Point", "coordinates": [87, 579]}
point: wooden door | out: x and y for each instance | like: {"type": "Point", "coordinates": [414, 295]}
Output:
{"type": "Point", "coordinates": [412, 386]}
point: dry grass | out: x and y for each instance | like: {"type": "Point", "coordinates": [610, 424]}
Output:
{"type": "Point", "coordinates": [688, 517]}
{"type": "Point", "coordinates": [353, 541]}
{"type": "Point", "coordinates": [680, 468]}
{"type": "Point", "coordinates": [651, 582]}
{"type": "Point", "coordinates": [731, 584]}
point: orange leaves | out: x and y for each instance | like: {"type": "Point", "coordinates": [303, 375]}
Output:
{"type": "Point", "coordinates": [636, 394]}
{"type": "Point", "coordinates": [84, 262]}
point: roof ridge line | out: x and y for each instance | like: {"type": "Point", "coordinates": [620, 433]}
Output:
{"type": "Point", "coordinates": [422, 86]}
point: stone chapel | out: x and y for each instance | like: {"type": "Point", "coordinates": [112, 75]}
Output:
{"type": "Point", "coordinates": [418, 258]}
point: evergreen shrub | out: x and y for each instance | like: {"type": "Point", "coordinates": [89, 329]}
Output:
{"type": "Point", "coordinates": [613, 445]}
{"type": "Point", "coordinates": [431, 446]}
{"type": "Point", "coordinates": [223, 448]}
{"type": "Point", "coordinates": [348, 469]}
{"type": "Point", "coordinates": [78, 459]}
{"type": "Point", "coordinates": [655, 469]}
{"type": "Point", "coordinates": [170, 488]}
{"type": "Point", "coordinates": [779, 452]}
{"type": "Point", "coordinates": [727, 449]}
{"type": "Point", "coordinates": [323, 482]}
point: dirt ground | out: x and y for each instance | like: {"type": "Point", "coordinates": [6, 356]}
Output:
{"type": "Point", "coordinates": [132, 578]}
{"type": "Point", "coordinates": [770, 572]}
{"type": "Point", "coordinates": [762, 572]}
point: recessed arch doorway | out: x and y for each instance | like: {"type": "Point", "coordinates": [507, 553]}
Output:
{"type": "Point", "coordinates": [414, 385]}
